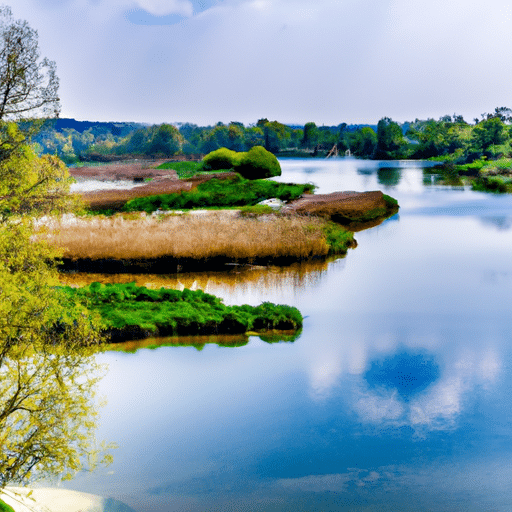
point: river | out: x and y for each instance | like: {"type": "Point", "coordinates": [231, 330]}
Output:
{"type": "Point", "coordinates": [396, 396]}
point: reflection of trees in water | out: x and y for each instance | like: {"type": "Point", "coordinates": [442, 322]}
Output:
{"type": "Point", "coordinates": [47, 412]}
{"type": "Point", "coordinates": [47, 369]}
{"type": "Point", "coordinates": [389, 176]}
{"type": "Point", "coordinates": [500, 223]}
{"type": "Point", "coordinates": [296, 276]}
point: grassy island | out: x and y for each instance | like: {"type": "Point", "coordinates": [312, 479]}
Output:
{"type": "Point", "coordinates": [233, 191]}
{"type": "Point", "coordinates": [130, 312]}
{"type": "Point", "coordinates": [168, 243]}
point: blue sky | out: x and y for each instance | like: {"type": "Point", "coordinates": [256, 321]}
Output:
{"type": "Point", "coordinates": [328, 61]}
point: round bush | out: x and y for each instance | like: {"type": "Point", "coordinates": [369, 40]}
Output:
{"type": "Point", "coordinates": [257, 163]}
{"type": "Point", "coordinates": [222, 158]}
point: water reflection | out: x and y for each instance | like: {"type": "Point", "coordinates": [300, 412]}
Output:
{"type": "Point", "coordinates": [199, 342]}
{"type": "Point", "coordinates": [48, 413]}
{"type": "Point", "coordinates": [406, 372]}
{"type": "Point", "coordinates": [389, 177]}
{"type": "Point", "coordinates": [298, 276]}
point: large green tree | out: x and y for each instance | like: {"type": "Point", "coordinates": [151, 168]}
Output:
{"type": "Point", "coordinates": [390, 140]}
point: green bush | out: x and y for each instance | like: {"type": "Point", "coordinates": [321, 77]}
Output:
{"type": "Point", "coordinates": [222, 158]}
{"type": "Point", "coordinates": [258, 163]}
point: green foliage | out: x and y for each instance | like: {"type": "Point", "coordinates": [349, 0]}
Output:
{"type": "Point", "coordinates": [390, 140]}
{"type": "Point", "coordinates": [496, 184]}
{"type": "Point", "coordinates": [277, 136]}
{"type": "Point", "coordinates": [185, 169]}
{"type": "Point", "coordinates": [489, 133]}
{"type": "Point", "coordinates": [129, 311]}
{"type": "Point", "coordinates": [338, 239]}
{"type": "Point", "coordinates": [222, 158]}
{"type": "Point", "coordinates": [47, 370]}
{"type": "Point", "coordinates": [257, 163]}
{"type": "Point", "coordinates": [233, 191]}
{"type": "Point", "coordinates": [362, 143]}
{"type": "Point", "coordinates": [166, 140]}
{"type": "Point", "coordinates": [5, 508]}
{"type": "Point", "coordinates": [256, 210]}
{"type": "Point", "coordinates": [310, 136]}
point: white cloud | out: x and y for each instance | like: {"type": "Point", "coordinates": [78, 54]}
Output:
{"type": "Point", "coordinates": [166, 7]}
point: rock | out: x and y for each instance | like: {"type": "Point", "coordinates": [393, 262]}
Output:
{"type": "Point", "coordinates": [274, 203]}
{"type": "Point", "coordinates": [345, 207]}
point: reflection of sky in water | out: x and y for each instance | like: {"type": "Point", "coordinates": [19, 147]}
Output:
{"type": "Point", "coordinates": [404, 373]}
{"type": "Point", "coordinates": [396, 396]}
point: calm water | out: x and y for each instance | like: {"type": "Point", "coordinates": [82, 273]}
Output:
{"type": "Point", "coordinates": [396, 396]}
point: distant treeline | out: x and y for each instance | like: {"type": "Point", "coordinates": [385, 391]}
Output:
{"type": "Point", "coordinates": [448, 138]}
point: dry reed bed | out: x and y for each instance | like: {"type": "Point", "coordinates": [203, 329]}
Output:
{"type": "Point", "coordinates": [214, 235]}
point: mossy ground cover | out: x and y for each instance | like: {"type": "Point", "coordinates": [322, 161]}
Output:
{"type": "Point", "coordinates": [231, 192]}
{"type": "Point", "coordinates": [185, 169]}
{"type": "Point", "coordinates": [4, 507]}
{"type": "Point", "coordinates": [129, 312]}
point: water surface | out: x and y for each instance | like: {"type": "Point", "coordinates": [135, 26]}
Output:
{"type": "Point", "coordinates": [395, 397]}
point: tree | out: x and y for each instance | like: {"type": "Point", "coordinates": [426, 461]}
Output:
{"type": "Point", "coordinates": [489, 132]}
{"type": "Point", "coordinates": [47, 370]}
{"type": "Point", "coordinates": [310, 138]}
{"type": "Point", "coordinates": [362, 142]}
{"type": "Point", "coordinates": [277, 136]}
{"type": "Point", "coordinates": [390, 139]}
{"type": "Point", "coordinates": [46, 407]}
{"type": "Point", "coordinates": [167, 140]}
{"type": "Point", "coordinates": [28, 84]}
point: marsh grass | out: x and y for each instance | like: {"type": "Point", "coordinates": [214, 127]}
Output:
{"type": "Point", "coordinates": [199, 237]}
{"type": "Point", "coordinates": [129, 311]}
{"type": "Point", "coordinates": [229, 192]}
{"type": "Point", "coordinates": [185, 169]}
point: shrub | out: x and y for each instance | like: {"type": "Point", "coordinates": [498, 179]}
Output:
{"type": "Point", "coordinates": [257, 163]}
{"type": "Point", "coordinates": [222, 158]}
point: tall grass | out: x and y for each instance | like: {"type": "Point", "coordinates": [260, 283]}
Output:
{"type": "Point", "coordinates": [217, 234]}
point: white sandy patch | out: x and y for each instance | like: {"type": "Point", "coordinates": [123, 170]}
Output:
{"type": "Point", "coordinates": [47, 499]}
{"type": "Point", "coordinates": [92, 185]}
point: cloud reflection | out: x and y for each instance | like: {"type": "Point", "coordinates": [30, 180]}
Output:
{"type": "Point", "coordinates": [390, 385]}
{"type": "Point", "coordinates": [436, 407]}
{"type": "Point", "coordinates": [336, 482]}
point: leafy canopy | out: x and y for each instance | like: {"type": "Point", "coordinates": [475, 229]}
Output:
{"type": "Point", "coordinates": [47, 368]}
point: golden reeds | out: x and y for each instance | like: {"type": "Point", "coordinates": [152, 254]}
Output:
{"type": "Point", "coordinates": [216, 234]}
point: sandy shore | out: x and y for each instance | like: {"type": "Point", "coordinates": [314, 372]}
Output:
{"type": "Point", "coordinates": [47, 499]}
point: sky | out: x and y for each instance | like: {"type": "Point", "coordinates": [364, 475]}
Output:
{"type": "Point", "coordinates": [295, 61]}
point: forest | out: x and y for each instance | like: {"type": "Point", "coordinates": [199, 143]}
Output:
{"type": "Point", "coordinates": [449, 138]}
